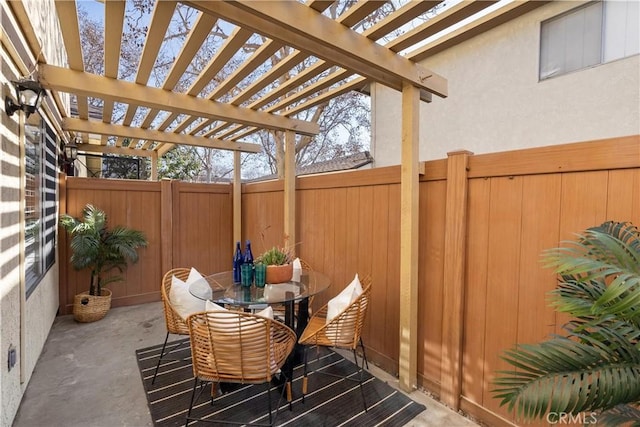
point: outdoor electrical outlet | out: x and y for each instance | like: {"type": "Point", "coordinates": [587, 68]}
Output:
{"type": "Point", "coordinates": [12, 357]}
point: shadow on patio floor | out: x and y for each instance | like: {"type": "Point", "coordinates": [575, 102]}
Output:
{"type": "Point", "coordinates": [87, 375]}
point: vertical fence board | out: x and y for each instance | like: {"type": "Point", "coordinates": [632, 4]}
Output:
{"type": "Point", "coordinates": [541, 212]}
{"type": "Point", "coordinates": [379, 262]}
{"type": "Point", "coordinates": [311, 236]}
{"type": "Point", "coordinates": [391, 350]}
{"type": "Point", "coordinates": [502, 278]}
{"type": "Point", "coordinates": [431, 262]}
{"type": "Point", "coordinates": [623, 195]}
{"type": "Point", "coordinates": [582, 206]}
{"type": "Point", "coordinates": [365, 231]}
{"type": "Point", "coordinates": [476, 290]}
{"type": "Point", "coordinates": [329, 218]}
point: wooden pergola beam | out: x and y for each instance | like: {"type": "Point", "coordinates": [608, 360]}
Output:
{"type": "Point", "coordinates": [94, 126]}
{"type": "Point", "coordinates": [121, 151]}
{"type": "Point", "coordinates": [327, 39]}
{"type": "Point", "coordinates": [88, 84]}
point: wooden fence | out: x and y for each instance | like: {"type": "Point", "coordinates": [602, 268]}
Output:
{"type": "Point", "coordinates": [186, 225]}
{"type": "Point", "coordinates": [517, 204]}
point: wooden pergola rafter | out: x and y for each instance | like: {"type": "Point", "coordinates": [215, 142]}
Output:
{"type": "Point", "coordinates": [337, 55]}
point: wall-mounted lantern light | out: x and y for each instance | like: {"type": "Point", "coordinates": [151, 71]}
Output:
{"type": "Point", "coordinates": [71, 152]}
{"type": "Point", "coordinates": [29, 94]}
{"type": "Point", "coordinates": [68, 155]}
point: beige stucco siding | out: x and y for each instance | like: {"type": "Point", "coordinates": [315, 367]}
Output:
{"type": "Point", "coordinates": [24, 322]}
{"type": "Point", "coordinates": [496, 101]}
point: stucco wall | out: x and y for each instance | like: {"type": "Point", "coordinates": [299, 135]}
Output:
{"type": "Point", "coordinates": [10, 293]}
{"type": "Point", "coordinates": [24, 323]}
{"type": "Point", "coordinates": [497, 103]}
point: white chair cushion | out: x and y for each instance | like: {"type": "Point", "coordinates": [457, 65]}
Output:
{"type": "Point", "coordinates": [181, 299]}
{"type": "Point", "coordinates": [194, 275]}
{"type": "Point", "coordinates": [340, 302]}
{"type": "Point", "coordinates": [199, 284]}
{"type": "Point", "coordinates": [267, 312]}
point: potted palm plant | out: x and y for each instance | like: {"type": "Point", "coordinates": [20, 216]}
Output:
{"type": "Point", "coordinates": [592, 373]}
{"type": "Point", "coordinates": [95, 247]}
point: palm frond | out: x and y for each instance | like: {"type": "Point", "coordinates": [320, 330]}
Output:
{"type": "Point", "coordinates": [620, 415]}
{"type": "Point", "coordinates": [85, 248]}
{"type": "Point", "coordinates": [576, 297]}
{"type": "Point", "coordinates": [600, 272]}
{"type": "Point", "coordinates": [562, 375]}
{"type": "Point", "coordinates": [125, 242]}
{"type": "Point", "coordinates": [599, 253]}
{"type": "Point", "coordinates": [95, 218]}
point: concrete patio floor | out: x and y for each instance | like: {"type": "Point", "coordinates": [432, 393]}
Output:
{"type": "Point", "coordinates": [87, 375]}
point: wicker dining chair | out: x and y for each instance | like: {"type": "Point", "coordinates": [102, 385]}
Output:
{"type": "Point", "coordinates": [343, 331]}
{"type": "Point", "coordinates": [237, 347]}
{"type": "Point", "coordinates": [175, 324]}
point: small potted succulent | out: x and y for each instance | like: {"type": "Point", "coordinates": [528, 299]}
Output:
{"type": "Point", "coordinates": [279, 264]}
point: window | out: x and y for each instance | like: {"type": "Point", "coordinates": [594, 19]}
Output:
{"type": "Point", "coordinates": [590, 35]}
{"type": "Point", "coordinates": [40, 200]}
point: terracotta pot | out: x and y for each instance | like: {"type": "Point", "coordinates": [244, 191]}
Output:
{"type": "Point", "coordinates": [279, 273]}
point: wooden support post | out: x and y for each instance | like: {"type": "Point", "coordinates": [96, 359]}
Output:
{"type": "Point", "coordinates": [237, 198]}
{"type": "Point", "coordinates": [410, 170]}
{"type": "Point", "coordinates": [166, 224]}
{"type": "Point", "coordinates": [279, 154]}
{"type": "Point", "coordinates": [290, 190]}
{"type": "Point", "coordinates": [154, 166]}
{"type": "Point", "coordinates": [455, 233]}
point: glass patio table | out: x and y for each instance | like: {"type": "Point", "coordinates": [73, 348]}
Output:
{"type": "Point", "coordinates": [221, 289]}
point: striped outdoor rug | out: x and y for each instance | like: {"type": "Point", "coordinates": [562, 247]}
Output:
{"type": "Point", "coordinates": [330, 401]}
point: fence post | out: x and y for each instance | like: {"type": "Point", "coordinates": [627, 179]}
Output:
{"type": "Point", "coordinates": [166, 224]}
{"type": "Point", "coordinates": [455, 235]}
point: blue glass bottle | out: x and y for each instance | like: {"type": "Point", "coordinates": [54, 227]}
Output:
{"type": "Point", "coordinates": [248, 256]}
{"type": "Point", "coordinates": [238, 259]}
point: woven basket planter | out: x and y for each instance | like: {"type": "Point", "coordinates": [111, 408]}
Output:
{"type": "Point", "coordinates": [89, 308]}
{"type": "Point", "coordinates": [279, 273]}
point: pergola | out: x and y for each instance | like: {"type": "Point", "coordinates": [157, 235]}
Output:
{"type": "Point", "coordinates": [341, 60]}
